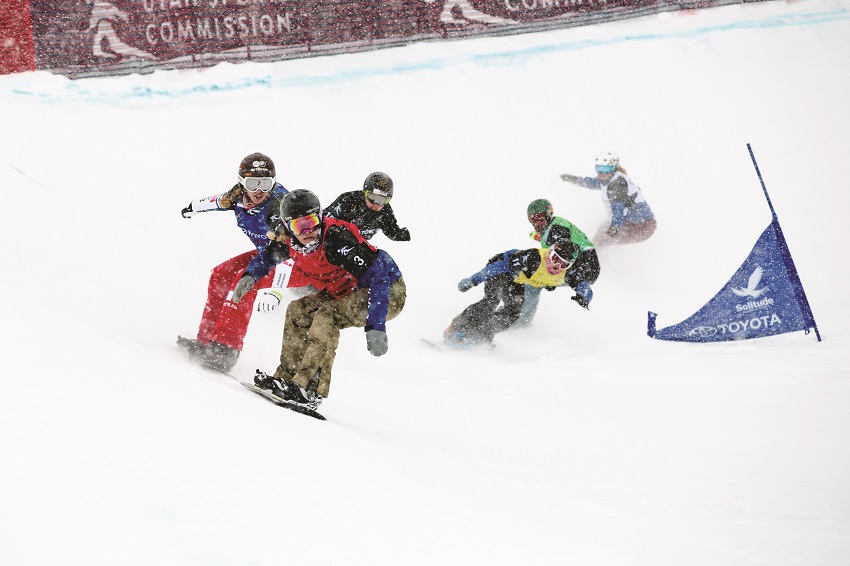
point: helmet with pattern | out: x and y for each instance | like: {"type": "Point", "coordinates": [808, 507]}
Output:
{"type": "Point", "coordinates": [301, 213]}
{"type": "Point", "coordinates": [378, 188]}
{"type": "Point", "coordinates": [257, 172]}
{"type": "Point", "coordinates": [540, 213]}
{"type": "Point", "coordinates": [607, 162]}
{"type": "Point", "coordinates": [561, 256]}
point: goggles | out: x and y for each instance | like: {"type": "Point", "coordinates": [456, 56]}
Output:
{"type": "Point", "coordinates": [606, 169]}
{"type": "Point", "coordinates": [253, 184]}
{"type": "Point", "coordinates": [539, 218]}
{"type": "Point", "coordinates": [557, 261]}
{"type": "Point", "coordinates": [304, 224]}
{"type": "Point", "coordinates": [378, 198]}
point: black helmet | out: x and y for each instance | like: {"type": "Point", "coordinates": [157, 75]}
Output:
{"type": "Point", "coordinates": [567, 250]}
{"type": "Point", "coordinates": [378, 188]}
{"type": "Point", "coordinates": [299, 203]}
{"type": "Point", "coordinates": [257, 165]}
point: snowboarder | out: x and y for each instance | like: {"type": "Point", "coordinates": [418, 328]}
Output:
{"type": "Point", "coordinates": [630, 218]}
{"type": "Point", "coordinates": [370, 209]}
{"type": "Point", "coordinates": [357, 285]}
{"type": "Point", "coordinates": [507, 276]}
{"type": "Point", "coordinates": [255, 201]}
{"type": "Point", "coordinates": [549, 229]}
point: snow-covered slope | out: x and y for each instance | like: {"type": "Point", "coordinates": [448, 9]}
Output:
{"type": "Point", "coordinates": [576, 441]}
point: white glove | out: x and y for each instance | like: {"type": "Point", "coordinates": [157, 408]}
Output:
{"type": "Point", "coordinates": [268, 300]}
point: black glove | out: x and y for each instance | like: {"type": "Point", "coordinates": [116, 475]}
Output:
{"type": "Point", "coordinates": [550, 288]}
{"type": "Point", "coordinates": [403, 235]}
{"type": "Point", "coordinates": [245, 284]}
{"type": "Point", "coordinates": [568, 178]}
{"type": "Point", "coordinates": [582, 301]}
{"type": "Point", "coordinates": [376, 342]}
{"type": "Point", "coordinates": [187, 212]}
{"type": "Point", "coordinates": [465, 284]}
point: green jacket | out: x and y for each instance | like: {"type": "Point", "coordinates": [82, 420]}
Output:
{"type": "Point", "coordinates": [561, 228]}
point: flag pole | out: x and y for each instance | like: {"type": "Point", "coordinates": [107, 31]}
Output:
{"type": "Point", "coordinates": [786, 256]}
{"type": "Point", "coordinates": [763, 188]}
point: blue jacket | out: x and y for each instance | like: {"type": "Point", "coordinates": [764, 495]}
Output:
{"type": "Point", "coordinates": [255, 222]}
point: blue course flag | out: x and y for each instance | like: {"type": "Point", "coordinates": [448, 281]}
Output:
{"type": "Point", "coordinates": [763, 298]}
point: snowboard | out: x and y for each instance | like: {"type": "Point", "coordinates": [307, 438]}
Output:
{"type": "Point", "coordinates": [455, 345]}
{"type": "Point", "coordinates": [186, 345]}
{"type": "Point", "coordinates": [280, 402]}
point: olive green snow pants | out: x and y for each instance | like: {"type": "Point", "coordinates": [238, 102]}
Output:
{"type": "Point", "coordinates": [311, 332]}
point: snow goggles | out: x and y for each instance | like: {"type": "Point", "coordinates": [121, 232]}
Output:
{"type": "Point", "coordinates": [539, 218]}
{"type": "Point", "coordinates": [254, 184]}
{"type": "Point", "coordinates": [376, 197]}
{"type": "Point", "coordinates": [558, 261]}
{"type": "Point", "coordinates": [605, 169]}
{"type": "Point", "coordinates": [304, 224]}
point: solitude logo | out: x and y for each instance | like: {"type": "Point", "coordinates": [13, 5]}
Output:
{"type": "Point", "coordinates": [751, 290]}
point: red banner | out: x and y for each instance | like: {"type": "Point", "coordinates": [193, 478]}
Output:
{"type": "Point", "coordinates": [100, 37]}
{"type": "Point", "coordinates": [16, 48]}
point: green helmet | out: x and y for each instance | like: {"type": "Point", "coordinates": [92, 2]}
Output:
{"type": "Point", "coordinates": [540, 207]}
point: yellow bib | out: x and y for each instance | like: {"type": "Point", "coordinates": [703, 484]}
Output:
{"type": "Point", "coordinates": [541, 277]}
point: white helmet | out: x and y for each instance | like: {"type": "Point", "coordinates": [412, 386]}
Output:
{"type": "Point", "coordinates": [607, 162]}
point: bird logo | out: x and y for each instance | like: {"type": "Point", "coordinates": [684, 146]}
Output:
{"type": "Point", "coordinates": [751, 289]}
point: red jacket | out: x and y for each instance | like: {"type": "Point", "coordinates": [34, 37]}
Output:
{"type": "Point", "coordinates": [315, 269]}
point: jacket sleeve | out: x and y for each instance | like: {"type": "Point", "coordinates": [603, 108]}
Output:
{"type": "Point", "coordinates": [375, 270]}
{"type": "Point", "coordinates": [557, 232]}
{"type": "Point", "coordinates": [494, 268]}
{"type": "Point", "coordinates": [267, 257]}
{"type": "Point", "coordinates": [377, 279]}
{"type": "Point", "coordinates": [389, 224]}
{"type": "Point", "coordinates": [334, 209]}
{"type": "Point", "coordinates": [587, 182]}
{"type": "Point", "coordinates": [273, 221]}
{"type": "Point", "coordinates": [224, 201]}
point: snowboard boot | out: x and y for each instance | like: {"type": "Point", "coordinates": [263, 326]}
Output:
{"type": "Point", "coordinates": [295, 393]}
{"type": "Point", "coordinates": [307, 397]}
{"type": "Point", "coordinates": [220, 357]}
{"type": "Point", "coordinates": [270, 383]}
{"type": "Point", "coordinates": [195, 348]}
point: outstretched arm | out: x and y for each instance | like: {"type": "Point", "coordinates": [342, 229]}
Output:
{"type": "Point", "coordinates": [511, 261]}
{"type": "Point", "coordinates": [389, 224]}
{"type": "Point", "coordinates": [260, 266]}
{"type": "Point", "coordinates": [586, 182]}
{"type": "Point", "coordinates": [224, 201]}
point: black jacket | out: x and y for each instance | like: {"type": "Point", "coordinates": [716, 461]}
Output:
{"type": "Point", "coordinates": [352, 207]}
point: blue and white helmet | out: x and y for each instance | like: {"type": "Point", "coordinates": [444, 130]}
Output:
{"type": "Point", "coordinates": [607, 162]}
